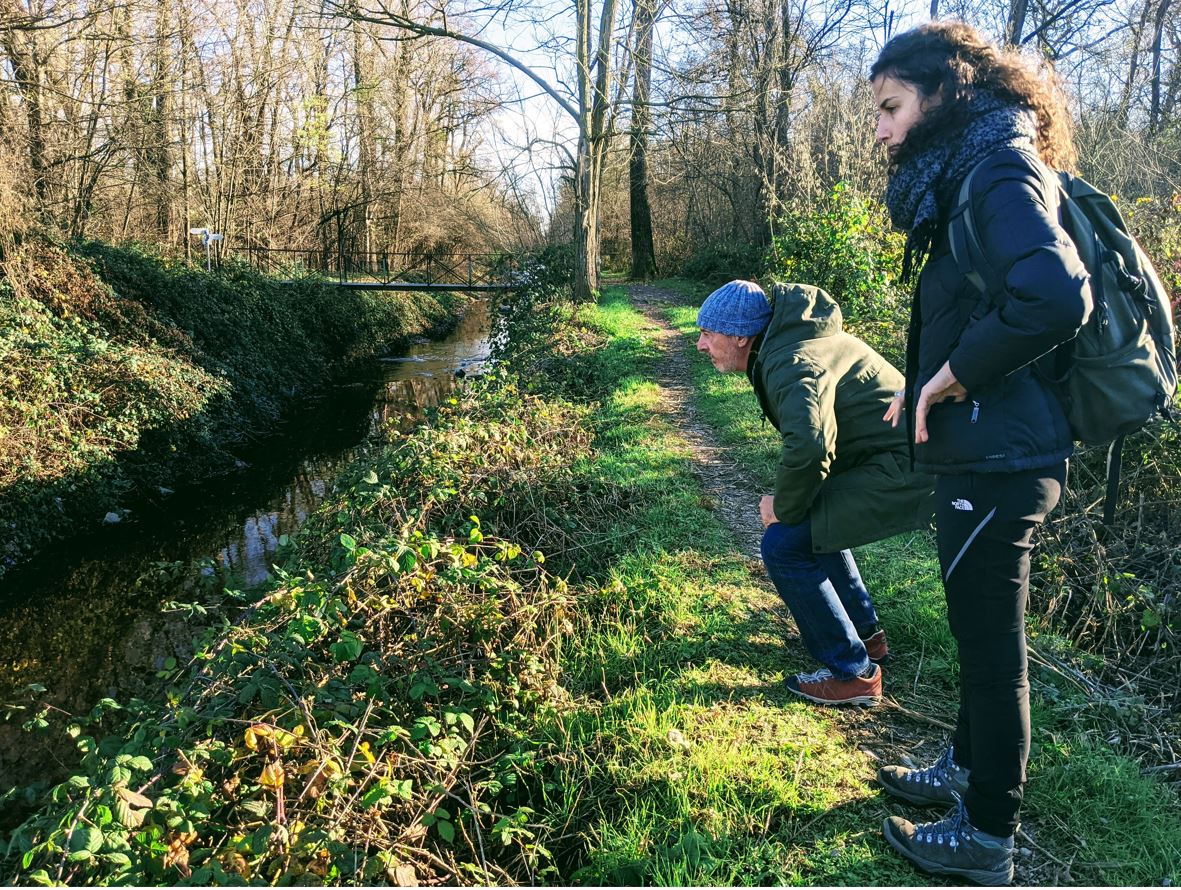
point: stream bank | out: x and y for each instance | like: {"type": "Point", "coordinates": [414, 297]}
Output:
{"type": "Point", "coordinates": [126, 373]}
{"type": "Point", "coordinates": [84, 618]}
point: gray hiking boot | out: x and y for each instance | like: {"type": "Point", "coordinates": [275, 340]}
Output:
{"type": "Point", "coordinates": [943, 782]}
{"type": "Point", "coordinates": [952, 846]}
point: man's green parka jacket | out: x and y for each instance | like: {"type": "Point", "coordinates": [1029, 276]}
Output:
{"type": "Point", "coordinates": [826, 391]}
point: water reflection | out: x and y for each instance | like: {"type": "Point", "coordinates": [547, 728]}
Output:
{"type": "Point", "coordinates": [85, 620]}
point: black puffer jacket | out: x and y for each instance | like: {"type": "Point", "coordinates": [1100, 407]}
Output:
{"type": "Point", "coordinates": [1010, 421]}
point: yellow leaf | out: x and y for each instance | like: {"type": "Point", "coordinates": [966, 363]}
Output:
{"type": "Point", "coordinates": [178, 853]}
{"type": "Point", "coordinates": [366, 753]}
{"type": "Point", "coordinates": [272, 775]}
{"type": "Point", "coordinates": [319, 864]}
{"type": "Point", "coordinates": [134, 797]}
{"type": "Point", "coordinates": [402, 875]}
{"type": "Point", "coordinates": [233, 861]}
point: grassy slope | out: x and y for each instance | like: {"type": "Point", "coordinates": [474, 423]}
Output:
{"type": "Point", "coordinates": [125, 370]}
{"type": "Point", "coordinates": [1093, 807]}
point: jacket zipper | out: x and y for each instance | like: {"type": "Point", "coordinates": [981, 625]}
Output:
{"type": "Point", "coordinates": [975, 411]}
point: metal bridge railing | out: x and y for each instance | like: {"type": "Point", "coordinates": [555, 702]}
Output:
{"type": "Point", "coordinates": [461, 271]}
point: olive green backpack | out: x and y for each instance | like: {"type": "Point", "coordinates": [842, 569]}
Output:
{"type": "Point", "coordinates": [1120, 370]}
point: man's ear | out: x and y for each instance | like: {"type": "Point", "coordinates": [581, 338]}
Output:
{"type": "Point", "coordinates": [743, 342]}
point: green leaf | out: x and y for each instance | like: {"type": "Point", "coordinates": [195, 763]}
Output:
{"type": "Point", "coordinates": [80, 856]}
{"type": "Point", "coordinates": [41, 878]}
{"type": "Point", "coordinates": [348, 542]}
{"type": "Point", "coordinates": [403, 788]}
{"type": "Point", "coordinates": [78, 782]}
{"type": "Point", "coordinates": [446, 830]}
{"type": "Point", "coordinates": [468, 721]}
{"type": "Point", "coordinates": [86, 837]}
{"type": "Point", "coordinates": [120, 859]}
{"type": "Point", "coordinates": [371, 478]}
{"type": "Point", "coordinates": [377, 796]}
{"type": "Point", "coordinates": [348, 648]}
{"type": "Point", "coordinates": [141, 763]}
{"type": "Point", "coordinates": [127, 816]}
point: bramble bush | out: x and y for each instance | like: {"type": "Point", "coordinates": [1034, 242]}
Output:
{"type": "Point", "coordinates": [369, 719]}
{"type": "Point", "coordinates": [715, 264]}
{"type": "Point", "coordinates": [845, 245]}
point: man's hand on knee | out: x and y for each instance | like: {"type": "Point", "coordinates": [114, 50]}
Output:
{"type": "Point", "coordinates": [767, 510]}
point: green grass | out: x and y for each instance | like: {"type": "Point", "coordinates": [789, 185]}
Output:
{"type": "Point", "coordinates": [1091, 806]}
{"type": "Point", "coordinates": [635, 725]}
{"type": "Point", "coordinates": [683, 760]}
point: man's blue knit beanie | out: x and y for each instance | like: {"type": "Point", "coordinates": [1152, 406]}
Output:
{"type": "Point", "coordinates": [738, 307]}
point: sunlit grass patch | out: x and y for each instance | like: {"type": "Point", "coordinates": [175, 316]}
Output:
{"type": "Point", "coordinates": [1120, 827]}
{"type": "Point", "coordinates": [691, 792]}
{"type": "Point", "coordinates": [1091, 805]}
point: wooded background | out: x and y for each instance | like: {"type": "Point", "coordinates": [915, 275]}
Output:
{"type": "Point", "coordinates": [692, 126]}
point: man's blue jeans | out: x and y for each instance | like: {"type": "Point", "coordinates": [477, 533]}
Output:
{"type": "Point", "coordinates": [825, 594]}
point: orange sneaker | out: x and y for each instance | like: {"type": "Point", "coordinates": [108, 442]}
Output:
{"type": "Point", "coordinates": [876, 647]}
{"type": "Point", "coordinates": [826, 689]}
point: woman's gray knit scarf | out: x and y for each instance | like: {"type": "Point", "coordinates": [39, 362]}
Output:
{"type": "Point", "coordinates": [924, 186]}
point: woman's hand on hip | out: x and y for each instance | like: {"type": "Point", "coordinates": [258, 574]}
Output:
{"type": "Point", "coordinates": [940, 388]}
{"type": "Point", "coordinates": [767, 510]}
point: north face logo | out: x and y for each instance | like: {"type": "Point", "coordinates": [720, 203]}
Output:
{"type": "Point", "coordinates": [961, 504]}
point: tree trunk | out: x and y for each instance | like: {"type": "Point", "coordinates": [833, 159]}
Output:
{"type": "Point", "coordinates": [594, 89]}
{"type": "Point", "coordinates": [643, 253]}
{"type": "Point", "coordinates": [27, 72]}
{"type": "Point", "coordinates": [160, 146]}
{"type": "Point", "coordinates": [1154, 116]}
{"type": "Point", "coordinates": [366, 152]}
{"type": "Point", "coordinates": [1016, 23]}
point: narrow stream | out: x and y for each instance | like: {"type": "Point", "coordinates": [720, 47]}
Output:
{"type": "Point", "coordinates": [85, 620]}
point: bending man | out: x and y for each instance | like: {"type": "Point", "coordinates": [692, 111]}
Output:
{"type": "Point", "coordinates": [842, 481]}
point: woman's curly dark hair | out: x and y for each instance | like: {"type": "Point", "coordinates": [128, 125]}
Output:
{"type": "Point", "coordinates": [953, 60]}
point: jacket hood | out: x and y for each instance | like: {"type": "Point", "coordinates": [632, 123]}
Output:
{"type": "Point", "coordinates": [801, 312]}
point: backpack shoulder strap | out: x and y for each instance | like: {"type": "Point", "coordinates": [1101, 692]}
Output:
{"type": "Point", "coordinates": [964, 238]}
{"type": "Point", "coordinates": [965, 242]}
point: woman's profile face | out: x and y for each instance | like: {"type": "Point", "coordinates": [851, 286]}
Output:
{"type": "Point", "coordinates": [900, 107]}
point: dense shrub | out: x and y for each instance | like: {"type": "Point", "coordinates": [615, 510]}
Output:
{"type": "Point", "coordinates": [845, 244]}
{"type": "Point", "coordinates": [1156, 223]}
{"type": "Point", "coordinates": [375, 717]}
{"type": "Point", "coordinates": [717, 264]}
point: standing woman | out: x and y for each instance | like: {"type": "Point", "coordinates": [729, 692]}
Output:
{"type": "Point", "coordinates": [982, 421]}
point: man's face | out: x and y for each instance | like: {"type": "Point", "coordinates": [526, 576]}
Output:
{"type": "Point", "coordinates": [727, 352]}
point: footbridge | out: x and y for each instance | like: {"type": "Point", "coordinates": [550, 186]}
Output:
{"type": "Point", "coordinates": [472, 272]}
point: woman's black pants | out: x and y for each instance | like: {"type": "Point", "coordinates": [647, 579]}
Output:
{"type": "Point", "coordinates": [984, 526]}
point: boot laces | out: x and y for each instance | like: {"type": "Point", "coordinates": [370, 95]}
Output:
{"type": "Point", "coordinates": [816, 676]}
{"type": "Point", "coordinates": [954, 830]}
{"type": "Point", "coordinates": [937, 774]}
